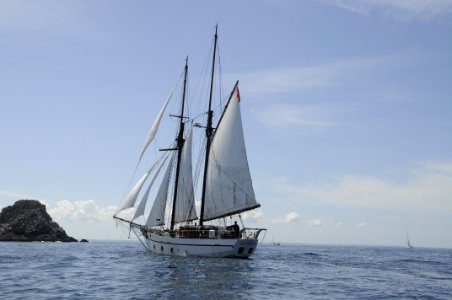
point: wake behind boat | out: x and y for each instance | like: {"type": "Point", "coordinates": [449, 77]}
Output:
{"type": "Point", "coordinates": [173, 226]}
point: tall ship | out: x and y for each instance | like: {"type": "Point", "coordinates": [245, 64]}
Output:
{"type": "Point", "coordinates": [174, 225]}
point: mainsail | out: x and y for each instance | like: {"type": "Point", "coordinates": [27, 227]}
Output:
{"type": "Point", "coordinates": [185, 201]}
{"type": "Point", "coordinates": [229, 188]}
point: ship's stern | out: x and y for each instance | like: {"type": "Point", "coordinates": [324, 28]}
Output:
{"type": "Point", "coordinates": [244, 248]}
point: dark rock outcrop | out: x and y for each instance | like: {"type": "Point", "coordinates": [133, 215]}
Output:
{"type": "Point", "coordinates": [28, 221]}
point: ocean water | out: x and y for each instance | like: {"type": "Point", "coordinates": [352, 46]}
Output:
{"type": "Point", "coordinates": [124, 270]}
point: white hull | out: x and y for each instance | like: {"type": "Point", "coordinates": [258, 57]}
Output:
{"type": "Point", "coordinates": [239, 248]}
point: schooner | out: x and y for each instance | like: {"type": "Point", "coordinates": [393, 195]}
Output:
{"type": "Point", "coordinates": [227, 188]}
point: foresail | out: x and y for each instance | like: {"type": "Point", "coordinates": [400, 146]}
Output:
{"type": "Point", "coordinates": [154, 128]}
{"type": "Point", "coordinates": [185, 200]}
{"type": "Point", "coordinates": [157, 215]}
{"type": "Point", "coordinates": [229, 188]}
{"type": "Point", "coordinates": [140, 209]}
{"type": "Point", "coordinates": [131, 198]}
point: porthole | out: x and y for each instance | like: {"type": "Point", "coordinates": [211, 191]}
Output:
{"type": "Point", "coordinates": [161, 248]}
{"type": "Point", "coordinates": [250, 251]}
{"type": "Point", "coordinates": [241, 250]}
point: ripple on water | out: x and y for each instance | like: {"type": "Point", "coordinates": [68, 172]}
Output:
{"type": "Point", "coordinates": [122, 270]}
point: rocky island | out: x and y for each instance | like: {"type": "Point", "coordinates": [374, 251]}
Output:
{"type": "Point", "coordinates": [28, 221]}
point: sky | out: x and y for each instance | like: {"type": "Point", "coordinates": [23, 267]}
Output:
{"type": "Point", "coordinates": [346, 109]}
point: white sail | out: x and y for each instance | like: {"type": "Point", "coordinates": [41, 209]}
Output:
{"type": "Point", "coordinates": [140, 209]}
{"type": "Point", "coordinates": [155, 126]}
{"type": "Point", "coordinates": [132, 196]}
{"type": "Point", "coordinates": [157, 215]}
{"type": "Point", "coordinates": [185, 200]}
{"type": "Point", "coordinates": [229, 188]}
{"type": "Point", "coordinates": [408, 244]}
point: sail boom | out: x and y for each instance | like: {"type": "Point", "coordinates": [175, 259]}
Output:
{"type": "Point", "coordinates": [233, 212]}
{"type": "Point", "coordinates": [131, 223]}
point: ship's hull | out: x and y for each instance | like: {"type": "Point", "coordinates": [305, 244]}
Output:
{"type": "Point", "coordinates": [167, 245]}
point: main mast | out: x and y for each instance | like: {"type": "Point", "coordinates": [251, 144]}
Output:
{"type": "Point", "coordinates": [209, 129]}
{"type": "Point", "coordinates": [180, 143]}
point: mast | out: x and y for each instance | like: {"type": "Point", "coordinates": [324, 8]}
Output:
{"type": "Point", "coordinates": [180, 144]}
{"type": "Point", "coordinates": [209, 129]}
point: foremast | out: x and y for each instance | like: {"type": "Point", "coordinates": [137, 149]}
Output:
{"type": "Point", "coordinates": [180, 143]}
{"type": "Point", "coordinates": [209, 130]}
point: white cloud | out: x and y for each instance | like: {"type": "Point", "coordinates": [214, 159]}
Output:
{"type": "Point", "coordinates": [333, 74]}
{"type": "Point", "coordinates": [81, 210]}
{"type": "Point", "coordinates": [291, 217]}
{"type": "Point", "coordinates": [325, 75]}
{"type": "Point", "coordinates": [11, 194]}
{"type": "Point", "coordinates": [290, 116]}
{"type": "Point", "coordinates": [315, 222]}
{"type": "Point", "coordinates": [44, 202]}
{"type": "Point", "coordinates": [252, 216]}
{"type": "Point", "coordinates": [319, 222]}
{"type": "Point", "coordinates": [50, 16]}
{"type": "Point", "coordinates": [302, 78]}
{"type": "Point", "coordinates": [362, 224]}
{"type": "Point", "coordinates": [405, 10]}
{"type": "Point", "coordinates": [426, 189]}
{"type": "Point", "coordinates": [445, 167]}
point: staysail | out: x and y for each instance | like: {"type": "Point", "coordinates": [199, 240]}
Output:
{"type": "Point", "coordinates": [229, 188]}
{"type": "Point", "coordinates": [132, 196]}
{"type": "Point", "coordinates": [157, 215]}
{"type": "Point", "coordinates": [140, 208]}
{"type": "Point", "coordinates": [185, 200]}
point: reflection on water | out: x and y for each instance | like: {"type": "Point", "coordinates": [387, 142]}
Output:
{"type": "Point", "coordinates": [168, 276]}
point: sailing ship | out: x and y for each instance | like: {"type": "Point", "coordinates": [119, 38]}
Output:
{"type": "Point", "coordinates": [173, 226]}
{"type": "Point", "coordinates": [408, 244]}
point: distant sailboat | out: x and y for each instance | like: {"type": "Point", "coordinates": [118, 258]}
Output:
{"type": "Point", "coordinates": [227, 188]}
{"type": "Point", "coordinates": [408, 244]}
{"type": "Point", "coordinates": [275, 243]}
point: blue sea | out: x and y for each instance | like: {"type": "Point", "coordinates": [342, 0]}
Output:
{"type": "Point", "coordinates": [124, 270]}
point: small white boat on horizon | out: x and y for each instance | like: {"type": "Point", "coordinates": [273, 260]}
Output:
{"type": "Point", "coordinates": [408, 243]}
